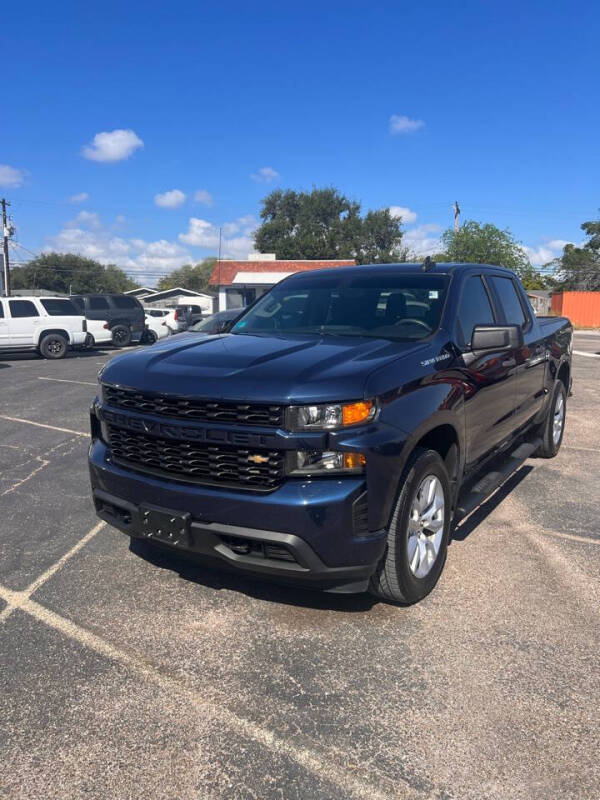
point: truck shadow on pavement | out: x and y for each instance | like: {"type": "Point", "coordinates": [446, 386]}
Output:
{"type": "Point", "coordinates": [467, 526]}
{"type": "Point", "coordinates": [219, 577]}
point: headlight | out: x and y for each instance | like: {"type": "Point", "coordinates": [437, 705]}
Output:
{"type": "Point", "coordinates": [313, 462]}
{"type": "Point", "coordinates": [331, 416]}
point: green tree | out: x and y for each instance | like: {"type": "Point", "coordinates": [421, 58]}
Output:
{"type": "Point", "coordinates": [578, 269]}
{"type": "Point", "coordinates": [484, 243]}
{"type": "Point", "coordinates": [190, 276]}
{"type": "Point", "coordinates": [67, 272]}
{"type": "Point", "coordinates": [324, 224]}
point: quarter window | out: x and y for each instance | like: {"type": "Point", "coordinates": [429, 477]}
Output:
{"type": "Point", "coordinates": [60, 308]}
{"type": "Point", "coordinates": [509, 299]}
{"type": "Point", "coordinates": [475, 309]}
{"type": "Point", "coordinates": [22, 308]}
{"type": "Point", "coordinates": [98, 304]}
{"type": "Point", "coordinates": [123, 302]}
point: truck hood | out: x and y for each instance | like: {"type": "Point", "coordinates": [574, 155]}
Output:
{"type": "Point", "coordinates": [250, 368]}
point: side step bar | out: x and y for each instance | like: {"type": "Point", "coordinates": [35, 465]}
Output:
{"type": "Point", "coordinates": [488, 484]}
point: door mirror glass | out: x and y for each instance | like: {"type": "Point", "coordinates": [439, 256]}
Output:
{"type": "Point", "coordinates": [496, 337]}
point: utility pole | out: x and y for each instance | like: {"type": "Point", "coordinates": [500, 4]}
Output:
{"type": "Point", "coordinates": [456, 215]}
{"type": "Point", "coordinates": [5, 234]}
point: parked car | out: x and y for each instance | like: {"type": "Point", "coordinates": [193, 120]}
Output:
{"type": "Point", "coordinates": [99, 332]}
{"type": "Point", "coordinates": [156, 328]}
{"type": "Point", "coordinates": [220, 322]}
{"type": "Point", "coordinates": [48, 325]}
{"type": "Point", "coordinates": [187, 315]}
{"type": "Point", "coordinates": [156, 312]}
{"type": "Point", "coordinates": [332, 438]}
{"type": "Point", "coordinates": [124, 314]}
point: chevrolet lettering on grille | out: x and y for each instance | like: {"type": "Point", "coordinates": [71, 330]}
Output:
{"type": "Point", "coordinates": [187, 433]}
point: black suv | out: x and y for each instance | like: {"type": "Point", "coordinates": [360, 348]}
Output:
{"type": "Point", "coordinates": [124, 314]}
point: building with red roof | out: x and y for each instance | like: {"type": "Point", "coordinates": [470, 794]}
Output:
{"type": "Point", "coordinates": [241, 282]}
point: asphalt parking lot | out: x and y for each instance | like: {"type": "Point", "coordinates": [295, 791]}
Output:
{"type": "Point", "coordinates": [128, 675]}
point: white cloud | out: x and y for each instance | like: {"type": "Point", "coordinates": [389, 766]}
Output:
{"type": "Point", "coordinates": [85, 219]}
{"type": "Point", "coordinates": [11, 177]}
{"type": "Point", "coordinates": [79, 198]}
{"type": "Point", "coordinates": [114, 145]}
{"type": "Point", "coordinates": [236, 241]}
{"type": "Point", "coordinates": [546, 251]}
{"type": "Point", "coordinates": [203, 197]}
{"type": "Point", "coordinates": [171, 199]}
{"type": "Point", "coordinates": [408, 216]}
{"type": "Point", "coordinates": [399, 123]}
{"type": "Point", "coordinates": [265, 175]}
{"type": "Point", "coordinates": [146, 260]}
{"type": "Point", "coordinates": [422, 240]}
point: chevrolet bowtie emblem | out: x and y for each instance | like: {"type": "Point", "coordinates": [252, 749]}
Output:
{"type": "Point", "coordinates": [256, 459]}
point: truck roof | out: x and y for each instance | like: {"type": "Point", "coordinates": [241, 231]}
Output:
{"type": "Point", "coordinates": [441, 268]}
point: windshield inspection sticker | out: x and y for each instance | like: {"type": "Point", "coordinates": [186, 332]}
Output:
{"type": "Point", "coordinates": [435, 359]}
{"type": "Point", "coordinates": [433, 294]}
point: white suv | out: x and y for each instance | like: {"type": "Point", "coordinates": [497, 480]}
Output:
{"type": "Point", "coordinates": [46, 324]}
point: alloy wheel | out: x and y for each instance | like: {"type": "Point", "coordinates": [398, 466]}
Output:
{"type": "Point", "coordinates": [425, 526]}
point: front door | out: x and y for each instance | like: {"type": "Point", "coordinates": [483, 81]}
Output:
{"type": "Point", "coordinates": [4, 334]}
{"type": "Point", "coordinates": [490, 377]}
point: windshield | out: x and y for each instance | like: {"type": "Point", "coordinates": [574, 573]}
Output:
{"type": "Point", "coordinates": [384, 306]}
{"type": "Point", "coordinates": [205, 325]}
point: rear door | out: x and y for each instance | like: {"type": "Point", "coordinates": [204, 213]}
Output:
{"type": "Point", "coordinates": [24, 322]}
{"type": "Point", "coordinates": [97, 307]}
{"type": "Point", "coordinates": [490, 377]}
{"type": "Point", "coordinates": [531, 358]}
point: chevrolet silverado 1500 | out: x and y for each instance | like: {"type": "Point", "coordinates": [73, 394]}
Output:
{"type": "Point", "coordinates": [335, 435]}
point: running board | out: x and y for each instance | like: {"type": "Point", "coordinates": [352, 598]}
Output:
{"type": "Point", "coordinates": [489, 483]}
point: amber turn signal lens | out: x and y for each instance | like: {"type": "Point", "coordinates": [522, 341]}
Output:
{"type": "Point", "coordinates": [354, 460]}
{"type": "Point", "coordinates": [356, 412]}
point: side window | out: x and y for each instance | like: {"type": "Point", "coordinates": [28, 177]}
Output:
{"type": "Point", "coordinates": [22, 308]}
{"type": "Point", "coordinates": [123, 302]}
{"type": "Point", "coordinates": [1, 309]}
{"type": "Point", "coordinates": [98, 304]}
{"type": "Point", "coordinates": [475, 309]}
{"type": "Point", "coordinates": [509, 298]}
{"type": "Point", "coordinates": [79, 303]}
{"type": "Point", "coordinates": [59, 308]}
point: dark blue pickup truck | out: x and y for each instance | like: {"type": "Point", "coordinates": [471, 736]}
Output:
{"type": "Point", "coordinates": [338, 431]}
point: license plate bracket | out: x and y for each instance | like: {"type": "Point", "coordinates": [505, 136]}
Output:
{"type": "Point", "coordinates": [162, 525]}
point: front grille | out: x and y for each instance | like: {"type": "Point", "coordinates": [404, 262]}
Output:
{"type": "Point", "coordinates": [188, 408]}
{"type": "Point", "coordinates": [224, 466]}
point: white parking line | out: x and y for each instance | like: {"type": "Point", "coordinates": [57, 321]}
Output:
{"type": "Point", "coordinates": [587, 355]}
{"type": "Point", "coordinates": [43, 425]}
{"type": "Point", "coordinates": [16, 599]}
{"type": "Point", "coordinates": [66, 380]}
{"type": "Point", "coordinates": [317, 762]}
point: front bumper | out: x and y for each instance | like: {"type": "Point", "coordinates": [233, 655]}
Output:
{"type": "Point", "coordinates": [304, 532]}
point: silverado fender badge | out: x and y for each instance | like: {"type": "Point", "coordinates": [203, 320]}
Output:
{"type": "Point", "coordinates": [434, 360]}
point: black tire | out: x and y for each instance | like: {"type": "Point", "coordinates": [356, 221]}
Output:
{"type": "Point", "coordinates": [54, 346]}
{"type": "Point", "coordinates": [394, 580]}
{"type": "Point", "coordinates": [551, 444]}
{"type": "Point", "coordinates": [121, 336]}
{"type": "Point", "coordinates": [151, 336]}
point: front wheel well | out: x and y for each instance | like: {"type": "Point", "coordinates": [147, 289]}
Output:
{"type": "Point", "coordinates": [444, 440]}
{"type": "Point", "coordinates": [564, 374]}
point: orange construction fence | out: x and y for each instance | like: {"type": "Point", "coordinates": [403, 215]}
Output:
{"type": "Point", "coordinates": [582, 308]}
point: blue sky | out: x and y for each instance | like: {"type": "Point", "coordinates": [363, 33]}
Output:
{"type": "Point", "coordinates": [403, 105]}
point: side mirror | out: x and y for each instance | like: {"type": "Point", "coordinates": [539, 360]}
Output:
{"type": "Point", "coordinates": [496, 337]}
